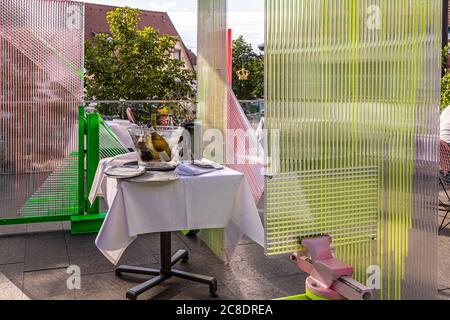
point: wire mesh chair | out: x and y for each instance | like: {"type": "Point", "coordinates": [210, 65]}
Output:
{"type": "Point", "coordinates": [444, 181]}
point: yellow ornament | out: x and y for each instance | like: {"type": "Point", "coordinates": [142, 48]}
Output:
{"type": "Point", "coordinates": [164, 111]}
{"type": "Point", "coordinates": [243, 74]}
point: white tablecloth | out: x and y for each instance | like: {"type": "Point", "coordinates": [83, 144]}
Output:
{"type": "Point", "coordinates": [221, 199]}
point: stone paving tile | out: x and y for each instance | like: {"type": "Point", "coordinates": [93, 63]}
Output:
{"type": "Point", "coordinates": [198, 251]}
{"type": "Point", "coordinates": [290, 285]}
{"type": "Point", "coordinates": [70, 238]}
{"type": "Point", "coordinates": [104, 286]}
{"type": "Point", "coordinates": [229, 279]}
{"type": "Point", "coordinates": [199, 258]}
{"type": "Point", "coordinates": [250, 256]}
{"type": "Point", "coordinates": [47, 285]}
{"type": "Point", "coordinates": [444, 265]}
{"type": "Point", "coordinates": [197, 266]}
{"type": "Point", "coordinates": [127, 281]}
{"type": "Point", "coordinates": [13, 230]}
{"type": "Point", "coordinates": [11, 282]}
{"type": "Point", "coordinates": [45, 253]}
{"type": "Point", "coordinates": [8, 291]}
{"type": "Point", "coordinates": [195, 293]}
{"type": "Point", "coordinates": [175, 289]}
{"type": "Point", "coordinates": [250, 275]}
{"type": "Point", "coordinates": [169, 287]}
{"type": "Point", "coordinates": [92, 261]}
{"type": "Point", "coordinates": [13, 273]}
{"type": "Point", "coordinates": [253, 289]}
{"type": "Point", "coordinates": [46, 230]}
{"type": "Point", "coordinates": [265, 267]}
{"type": "Point", "coordinates": [248, 251]}
{"type": "Point", "coordinates": [238, 270]}
{"type": "Point", "coordinates": [12, 249]}
{"type": "Point", "coordinates": [240, 278]}
{"type": "Point", "coordinates": [86, 256]}
{"type": "Point", "coordinates": [191, 243]}
{"type": "Point", "coordinates": [139, 252]}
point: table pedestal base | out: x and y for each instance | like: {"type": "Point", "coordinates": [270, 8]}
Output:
{"type": "Point", "coordinates": [166, 271]}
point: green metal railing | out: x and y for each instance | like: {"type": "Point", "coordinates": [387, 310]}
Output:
{"type": "Point", "coordinates": [63, 195]}
{"type": "Point", "coordinates": [101, 142]}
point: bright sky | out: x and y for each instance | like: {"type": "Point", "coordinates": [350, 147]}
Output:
{"type": "Point", "coordinates": [246, 17]}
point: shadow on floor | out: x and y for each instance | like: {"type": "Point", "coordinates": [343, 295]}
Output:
{"type": "Point", "coordinates": [34, 261]}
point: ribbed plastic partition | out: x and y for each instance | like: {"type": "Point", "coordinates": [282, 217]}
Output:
{"type": "Point", "coordinates": [212, 65]}
{"type": "Point", "coordinates": [219, 110]}
{"type": "Point", "coordinates": [41, 83]}
{"type": "Point", "coordinates": [109, 144]}
{"type": "Point", "coordinates": [220, 114]}
{"type": "Point", "coordinates": [212, 91]}
{"type": "Point", "coordinates": [244, 152]}
{"type": "Point", "coordinates": [352, 95]}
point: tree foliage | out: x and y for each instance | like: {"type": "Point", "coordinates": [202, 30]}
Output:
{"type": "Point", "coordinates": [134, 64]}
{"type": "Point", "coordinates": [245, 57]}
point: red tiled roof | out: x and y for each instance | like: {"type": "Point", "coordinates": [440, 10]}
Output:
{"type": "Point", "coordinates": [192, 57]}
{"type": "Point", "coordinates": [95, 20]}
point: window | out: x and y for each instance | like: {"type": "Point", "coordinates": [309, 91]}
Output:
{"type": "Point", "coordinates": [177, 54]}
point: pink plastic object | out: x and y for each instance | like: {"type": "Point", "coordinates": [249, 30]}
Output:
{"type": "Point", "coordinates": [319, 248]}
{"type": "Point", "coordinates": [329, 278]}
{"type": "Point", "coordinates": [130, 116]}
{"type": "Point", "coordinates": [322, 291]}
{"type": "Point", "coordinates": [346, 287]}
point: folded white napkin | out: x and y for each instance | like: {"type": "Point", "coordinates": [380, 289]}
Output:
{"type": "Point", "coordinates": [188, 169]}
{"type": "Point", "coordinates": [198, 168]}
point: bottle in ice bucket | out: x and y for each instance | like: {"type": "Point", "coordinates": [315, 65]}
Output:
{"type": "Point", "coordinates": [146, 149]}
{"type": "Point", "coordinates": [154, 119]}
{"type": "Point", "coordinates": [151, 146]}
{"type": "Point", "coordinates": [161, 146]}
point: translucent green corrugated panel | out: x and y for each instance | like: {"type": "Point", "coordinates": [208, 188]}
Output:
{"type": "Point", "coordinates": [212, 86]}
{"type": "Point", "coordinates": [354, 84]}
{"type": "Point", "coordinates": [297, 207]}
{"type": "Point", "coordinates": [212, 64]}
{"type": "Point", "coordinates": [58, 194]}
{"type": "Point", "coordinates": [109, 144]}
{"type": "Point", "coordinates": [41, 72]}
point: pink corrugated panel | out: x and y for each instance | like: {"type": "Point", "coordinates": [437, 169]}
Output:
{"type": "Point", "coordinates": [248, 157]}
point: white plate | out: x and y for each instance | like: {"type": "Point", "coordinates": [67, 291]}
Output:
{"type": "Point", "coordinates": [159, 166]}
{"type": "Point", "coordinates": [156, 177]}
{"type": "Point", "coordinates": [124, 172]}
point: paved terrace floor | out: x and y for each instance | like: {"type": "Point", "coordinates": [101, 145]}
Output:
{"type": "Point", "coordinates": [34, 259]}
